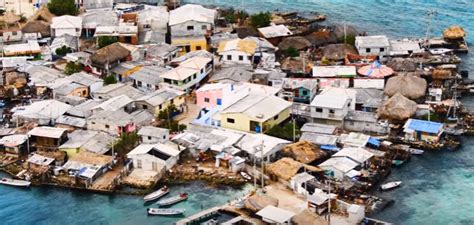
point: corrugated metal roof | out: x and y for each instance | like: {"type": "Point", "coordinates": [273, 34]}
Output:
{"type": "Point", "coordinates": [423, 126]}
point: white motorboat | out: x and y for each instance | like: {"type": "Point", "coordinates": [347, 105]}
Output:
{"type": "Point", "coordinates": [14, 182]}
{"type": "Point", "coordinates": [415, 151]}
{"type": "Point", "coordinates": [173, 200]}
{"type": "Point", "coordinates": [156, 194]}
{"type": "Point", "coordinates": [164, 212]}
{"type": "Point", "coordinates": [390, 185]}
{"type": "Point", "coordinates": [245, 175]}
{"type": "Point", "coordinates": [440, 51]}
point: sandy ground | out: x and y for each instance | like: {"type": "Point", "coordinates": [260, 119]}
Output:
{"type": "Point", "coordinates": [286, 198]}
{"type": "Point", "coordinates": [189, 115]}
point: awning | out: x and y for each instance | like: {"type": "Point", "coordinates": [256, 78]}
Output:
{"type": "Point", "coordinates": [329, 148]}
{"type": "Point", "coordinates": [374, 142]}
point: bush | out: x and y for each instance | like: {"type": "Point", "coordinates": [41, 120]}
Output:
{"type": "Point", "coordinates": [350, 39]}
{"type": "Point", "coordinates": [110, 79]}
{"type": "Point", "coordinates": [126, 143]}
{"type": "Point", "coordinates": [104, 41]}
{"type": "Point", "coordinates": [166, 119]}
{"type": "Point", "coordinates": [292, 52]}
{"type": "Point", "coordinates": [63, 7]}
{"type": "Point", "coordinates": [72, 68]}
{"type": "Point", "coordinates": [233, 16]}
{"type": "Point", "coordinates": [261, 19]}
{"type": "Point", "coordinates": [284, 132]}
{"type": "Point", "coordinates": [63, 50]}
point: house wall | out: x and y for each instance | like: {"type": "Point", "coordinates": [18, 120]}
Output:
{"type": "Point", "coordinates": [338, 174]}
{"type": "Point", "coordinates": [10, 36]}
{"type": "Point", "coordinates": [70, 152]}
{"type": "Point", "coordinates": [235, 57]}
{"type": "Point", "coordinates": [362, 126]}
{"type": "Point", "coordinates": [372, 50]}
{"type": "Point", "coordinates": [338, 114]}
{"type": "Point", "coordinates": [369, 83]}
{"type": "Point", "coordinates": [102, 125]}
{"type": "Point", "coordinates": [96, 86]}
{"type": "Point", "coordinates": [153, 140]}
{"type": "Point", "coordinates": [199, 77]}
{"type": "Point", "coordinates": [212, 95]}
{"type": "Point", "coordinates": [282, 116]}
{"type": "Point", "coordinates": [193, 43]}
{"type": "Point", "coordinates": [178, 101]}
{"type": "Point", "coordinates": [199, 29]}
{"type": "Point", "coordinates": [242, 122]}
{"type": "Point", "coordinates": [147, 162]}
{"type": "Point", "coordinates": [62, 31]}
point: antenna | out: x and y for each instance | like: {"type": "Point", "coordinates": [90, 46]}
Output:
{"type": "Point", "coordinates": [431, 14]}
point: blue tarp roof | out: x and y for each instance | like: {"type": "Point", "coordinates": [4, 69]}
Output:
{"type": "Point", "coordinates": [424, 126]}
{"type": "Point", "coordinates": [374, 141]}
{"type": "Point", "coordinates": [329, 147]}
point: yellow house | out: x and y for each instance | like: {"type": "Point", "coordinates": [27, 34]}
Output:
{"type": "Point", "coordinates": [124, 70]}
{"type": "Point", "coordinates": [160, 100]}
{"type": "Point", "coordinates": [72, 89]}
{"type": "Point", "coordinates": [86, 140]}
{"type": "Point", "coordinates": [255, 113]}
{"type": "Point", "coordinates": [189, 44]}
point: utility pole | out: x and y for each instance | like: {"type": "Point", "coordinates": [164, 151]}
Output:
{"type": "Point", "coordinates": [329, 201]}
{"type": "Point", "coordinates": [262, 164]}
{"type": "Point", "coordinates": [255, 170]}
{"type": "Point", "coordinates": [431, 14]}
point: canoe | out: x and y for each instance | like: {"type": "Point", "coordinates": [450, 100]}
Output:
{"type": "Point", "coordinates": [14, 182]}
{"type": "Point", "coordinates": [440, 51]}
{"type": "Point", "coordinates": [245, 175]}
{"type": "Point", "coordinates": [390, 185]}
{"type": "Point", "coordinates": [173, 200]}
{"type": "Point", "coordinates": [164, 212]}
{"type": "Point", "coordinates": [156, 194]}
{"type": "Point", "coordinates": [415, 151]}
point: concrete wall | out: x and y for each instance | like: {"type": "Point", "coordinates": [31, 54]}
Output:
{"type": "Point", "coordinates": [199, 29]}
{"type": "Point", "coordinates": [361, 126]}
{"type": "Point", "coordinates": [235, 57]}
{"type": "Point", "coordinates": [338, 114]}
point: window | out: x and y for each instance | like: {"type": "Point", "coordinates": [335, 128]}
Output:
{"type": "Point", "coordinates": [172, 101]}
{"type": "Point", "coordinates": [149, 137]}
{"type": "Point", "coordinates": [190, 27]}
{"type": "Point", "coordinates": [275, 118]}
{"type": "Point", "coordinates": [230, 120]}
{"type": "Point", "coordinates": [204, 27]}
{"type": "Point", "coordinates": [382, 49]}
{"type": "Point", "coordinates": [139, 163]}
{"type": "Point", "coordinates": [139, 83]}
{"type": "Point", "coordinates": [319, 110]}
{"type": "Point", "coordinates": [305, 92]}
{"type": "Point", "coordinates": [331, 111]}
{"type": "Point", "coordinates": [154, 166]}
{"type": "Point", "coordinates": [206, 100]}
{"type": "Point", "coordinates": [349, 104]}
{"type": "Point", "coordinates": [164, 137]}
{"type": "Point", "coordinates": [194, 76]}
{"type": "Point", "coordinates": [198, 48]}
{"type": "Point", "coordinates": [144, 106]}
{"type": "Point", "coordinates": [202, 71]}
{"type": "Point", "coordinates": [146, 26]}
{"type": "Point", "coordinates": [219, 101]}
{"type": "Point", "coordinates": [160, 107]}
{"type": "Point", "coordinates": [367, 50]}
{"type": "Point", "coordinates": [93, 122]}
{"type": "Point", "coordinates": [229, 57]}
{"type": "Point", "coordinates": [148, 85]}
{"type": "Point", "coordinates": [250, 58]}
{"type": "Point", "coordinates": [241, 58]}
{"type": "Point", "coordinates": [84, 92]}
{"type": "Point", "coordinates": [107, 126]}
{"type": "Point", "coordinates": [351, 123]}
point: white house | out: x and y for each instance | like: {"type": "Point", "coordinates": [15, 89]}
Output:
{"type": "Point", "coordinates": [237, 51]}
{"type": "Point", "coordinates": [373, 45]}
{"type": "Point", "coordinates": [191, 20]}
{"type": "Point", "coordinates": [404, 47]}
{"type": "Point", "coordinates": [332, 105]}
{"type": "Point", "coordinates": [275, 215]}
{"type": "Point", "coordinates": [153, 135]}
{"type": "Point", "coordinates": [153, 24]}
{"type": "Point", "coordinates": [188, 74]}
{"type": "Point", "coordinates": [339, 166]}
{"type": "Point", "coordinates": [154, 157]}
{"type": "Point", "coordinates": [66, 24]}
{"type": "Point", "coordinates": [297, 182]}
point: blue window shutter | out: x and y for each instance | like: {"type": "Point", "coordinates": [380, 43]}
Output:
{"type": "Point", "coordinates": [219, 101]}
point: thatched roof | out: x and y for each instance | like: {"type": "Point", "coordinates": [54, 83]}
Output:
{"type": "Point", "coordinates": [304, 152]}
{"type": "Point", "coordinates": [398, 108]}
{"type": "Point", "coordinates": [286, 168]}
{"type": "Point", "coordinates": [402, 64]}
{"type": "Point", "coordinates": [295, 65]}
{"type": "Point", "coordinates": [454, 32]}
{"type": "Point", "coordinates": [297, 42]}
{"type": "Point", "coordinates": [37, 26]}
{"type": "Point", "coordinates": [10, 18]}
{"type": "Point", "coordinates": [308, 218]}
{"type": "Point", "coordinates": [409, 86]}
{"type": "Point", "coordinates": [321, 37]}
{"type": "Point", "coordinates": [110, 53]}
{"type": "Point", "coordinates": [256, 203]}
{"type": "Point", "coordinates": [42, 14]}
{"type": "Point", "coordinates": [441, 74]}
{"type": "Point", "coordinates": [338, 52]}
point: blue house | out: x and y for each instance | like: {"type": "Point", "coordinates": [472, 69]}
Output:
{"type": "Point", "coordinates": [300, 90]}
{"type": "Point", "coordinates": [422, 130]}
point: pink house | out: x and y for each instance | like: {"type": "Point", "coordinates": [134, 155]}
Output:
{"type": "Point", "coordinates": [219, 95]}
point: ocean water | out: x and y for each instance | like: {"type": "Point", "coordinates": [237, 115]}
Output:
{"type": "Point", "coordinates": [51, 206]}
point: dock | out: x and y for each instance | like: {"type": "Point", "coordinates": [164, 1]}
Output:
{"type": "Point", "coordinates": [199, 216]}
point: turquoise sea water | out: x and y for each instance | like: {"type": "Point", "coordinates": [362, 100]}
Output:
{"type": "Point", "coordinates": [438, 187]}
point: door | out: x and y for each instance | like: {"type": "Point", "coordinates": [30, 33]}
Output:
{"type": "Point", "coordinates": [187, 48]}
{"type": "Point", "coordinates": [255, 127]}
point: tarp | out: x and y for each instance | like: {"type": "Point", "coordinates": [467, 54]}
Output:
{"type": "Point", "coordinates": [374, 141]}
{"type": "Point", "coordinates": [329, 147]}
{"type": "Point", "coordinates": [424, 126]}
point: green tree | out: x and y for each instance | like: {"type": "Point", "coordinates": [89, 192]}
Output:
{"type": "Point", "coordinates": [292, 52]}
{"type": "Point", "coordinates": [63, 50]}
{"type": "Point", "coordinates": [126, 143]}
{"type": "Point", "coordinates": [72, 68]}
{"type": "Point", "coordinates": [165, 118]}
{"type": "Point", "coordinates": [110, 79]}
{"type": "Point", "coordinates": [104, 41]}
{"type": "Point", "coordinates": [285, 131]}
{"type": "Point", "coordinates": [261, 19]}
{"type": "Point", "coordinates": [63, 7]}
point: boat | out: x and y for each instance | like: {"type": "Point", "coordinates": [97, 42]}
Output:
{"type": "Point", "coordinates": [440, 51]}
{"type": "Point", "coordinates": [415, 151]}
{"type": "Point", "coordinates": [156, 194]}
{"type": "Point", "coordinates": [14, 182]}
{"type": "Point", "coordinates": [390, 185]}
{"type": "Point", "coordinates": [173, 200]}
{"type": "Point", "coordinates": [245, 175]}
{"type": "Point", "coordinates": [397, 162]}
{"type": "Point", "coordinates": [164, 212]}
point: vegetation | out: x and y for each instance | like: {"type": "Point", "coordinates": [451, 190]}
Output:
{"type": "Point", "coordinates": [2, 11]}
{"type": "Point", "coordinates": [234, 16]}
{"type": "Point", "coordinates": [63, 50]}
{"type": "Point", "coordinates": [37, 57]}
{"type": "Point", "coordinates": [23, 18]}
{"type": "Point", "coordinates": [72, 68]}
{"type": "Point", "coordinates": [63, 7]}
{"type": "Point", "coordinates": [433, 117]}
{"type": "Point", "coordinates": [261, 19]}
{"type": "Point", "coordinates": [292, 52]}
{"type": "Point", "coordinates": [104, 41]}
{"type": "Point", "coordinates": [285, 131]}
{"type": "Point", "coordinates": [350, 39]}
{"type": "Point", "coordinates": [126, 143]}
{"type": "Point", "coordinates": [165, 118]}
{"type": "Point", "coordinates": [110, 79]}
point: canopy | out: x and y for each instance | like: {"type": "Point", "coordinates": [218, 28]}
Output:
{"type": "Point", "coordinates": [376, 70]}
{"type": "Point", "coordinates": [454, 32]}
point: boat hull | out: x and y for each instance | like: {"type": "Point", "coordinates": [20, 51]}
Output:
{"type": "Point", "coordinates": [164, 212]}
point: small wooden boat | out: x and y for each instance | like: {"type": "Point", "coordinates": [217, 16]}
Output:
{"type": "Point", "coordinates": [415, 151]}
{"type": "Point", "coordinates": [173, 200]}
{"type": "Point", "coordinates": [440, 51]}
{"type": "Point", "coordinates": [390, 185]}
{"type": "Point", "coordinates": [245, 175]}
{"type": "Point", "coordinates": [156, 194]}
{"type": "Point", "coordinates": [164, 212]}
{"type": "Point", "coordinates": [14, 182]}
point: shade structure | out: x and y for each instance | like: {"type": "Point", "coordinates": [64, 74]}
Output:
{"type": "Point", "coordinates": [375, 70]}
